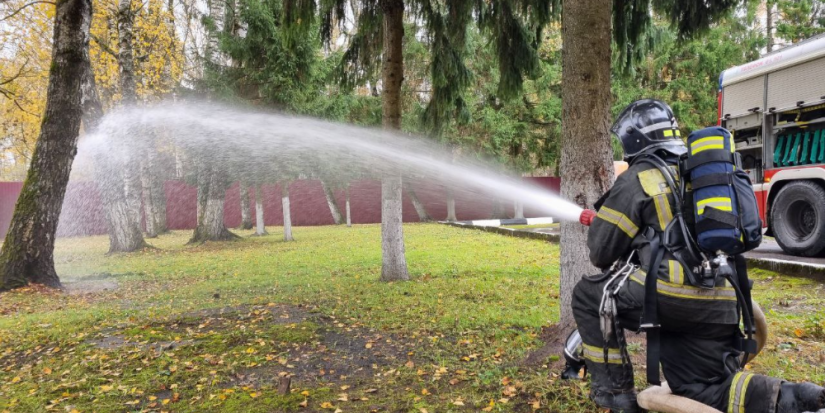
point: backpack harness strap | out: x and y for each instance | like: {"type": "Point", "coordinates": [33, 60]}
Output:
{"type": "Point", "coordinates": [705, 181]}
{"type": "Point", "coordinates": [707, 157]}
{"type": "Point", "coordinates": [650, 314]}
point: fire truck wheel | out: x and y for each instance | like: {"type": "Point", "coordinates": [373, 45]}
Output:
{"type": "Point", "coordinates": [798, 219]}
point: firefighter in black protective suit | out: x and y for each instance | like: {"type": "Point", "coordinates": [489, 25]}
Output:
{"type": "Point", "coordinates": [699, 335]}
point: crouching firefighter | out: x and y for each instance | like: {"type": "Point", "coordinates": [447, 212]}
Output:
{"type": "Point", "coordinates": [668, 236]}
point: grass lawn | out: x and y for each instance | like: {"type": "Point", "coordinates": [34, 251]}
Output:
{"type": "Point", "coordinates": [217, 327]}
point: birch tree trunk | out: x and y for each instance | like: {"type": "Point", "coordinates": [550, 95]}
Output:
{"type": "Point", "coordinates": [159, 199]}
{"type": "Point", "coordinates": [27, 254]}
{"type": "Point", "coordinates": [126, 62]}
{"type": "Point", "coordinates": [498, 210]}
{"type": "Point", "coordinates": [287, 212]}
{"type": "Point", "coordinates": [451, 205]}
{"type": "Point", "coordinates": [333, 204]}
{"type": "Point", "coordinates": [260, 228]}
{"type": "Point", "coordinates": [518, 210]}
{"type": "Point", "coordinates": [349, 214]}
{"type": "Point", "coordinates": [586, 158]}
{"type": "Point", "coordinates": [211, 197]}
{"type": "Point", "coordinates": [246, 215]}
{"type": "Point", "coordinates": [769, 7]}
{"type": "Point", "coordinates": [150, 215]}
{"type": "Point", "coordinates": [394, 261]}
{"type": "Point", "coordinates": [423, 216]}
{"type": "Point", "coordinates": [124, 232]}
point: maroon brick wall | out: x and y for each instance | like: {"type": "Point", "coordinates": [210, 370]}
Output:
{"type": "Point", "coordinates": [83, 215]}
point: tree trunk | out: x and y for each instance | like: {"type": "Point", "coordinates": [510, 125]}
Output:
{"type": "Point", "coordinates": [394, 262]}
{"type": "Point", "coordinates": [125, 55]}
{"type": "Point", "coordinates": [260, 228]}
{"type": "Point", "coordinates": [498, 210]}
{"type": "Point", "coordinates": [333, 204]}
{"type": "Point", "coordinates": [246, 215]}
{"type": "Point", "coordinates": [394, 266]}
{"type": "Point", "coordinates": [423, 216]}
{"type": "Point", "coordinates": [126, 62]}
{"type": "Point", "coordinates": [518, 210]}
{"type": "Point", "coordinates": [287, 212]}
{"type": "Point", "coordinates": [217, 13]}
{"type": "Point", "coordinates": [451, 205]}
{"type": "Point", "coordinates": [28, 251]}
{"type": "Point", "coordinates": [769, 6]}
{"type": "Point", "coordinates": [211, 198]}
{"type": "Point", "coordinates": [124, 232]}
{"type": "Point", "coordinates": [148, 200]}
{"type": "Point", "coordinates": [349, 214]}
{"type": "Point", "coordinates": [586, 159]}
{"type": "Point", "coordinates": [159, 199]}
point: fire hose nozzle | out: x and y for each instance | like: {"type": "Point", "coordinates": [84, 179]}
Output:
{"type": "Point", "coordinates": [586, 218]}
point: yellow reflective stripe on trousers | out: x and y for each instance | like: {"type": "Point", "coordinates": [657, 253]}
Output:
{"type": "Point", "coordinates": [675, 273]}
{"type": "Point", "coordinates": [711, 142]}
{"type": "Point", "coordinates": [720, 203]}
{"type": "Point", "coordinates": [686, 291]}
{"type": "Point", "coordinates": [618, 219]}
{"type": "Point", "coordinates": [738, 392]}
{"type": "Point", "coordinates": [596, 354]}
{"type": "Point", "coordinates": [663, 211]}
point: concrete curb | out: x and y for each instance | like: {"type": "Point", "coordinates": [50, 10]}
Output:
{"type": "Point", "coordinates": [788, 267]}
{"type": "Point", "coordinates": [507, 231]}
{"type": "Point", "coordinates": [785, 267]}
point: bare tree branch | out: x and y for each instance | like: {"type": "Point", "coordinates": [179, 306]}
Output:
{"type": "Point", "coordinates": [104, 46]}
{"type": "Point", "coordinates": [14, 13]}
{"type": "Point", "coordinates": [17, 75]}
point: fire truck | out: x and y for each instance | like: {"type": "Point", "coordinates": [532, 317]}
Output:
{"type": "Point", "coordinates": [775, 107]}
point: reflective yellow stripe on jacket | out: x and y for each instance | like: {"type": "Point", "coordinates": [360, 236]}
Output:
{"type": "Point", "coordinates": [663, 211]}
{"type": "Point", "coordinates": [676, 274]}
{"type": "Point", "coordinates": [687, 291]}
{"type": "Point", "coordinates": [618, 219]}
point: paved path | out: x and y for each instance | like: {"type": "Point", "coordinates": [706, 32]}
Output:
{"type": "Point", "coordinates": [768, 256]}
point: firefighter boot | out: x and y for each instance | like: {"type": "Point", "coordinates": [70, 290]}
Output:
{"type": "Point", "coordinates": [619, 401]}
{"type": "Point", "coordinates": [800, 397]}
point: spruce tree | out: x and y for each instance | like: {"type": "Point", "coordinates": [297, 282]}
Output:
{"type": "Point", "coordinates": [586, 160]}
{"type": "Point", "coordinates": [514, 25]}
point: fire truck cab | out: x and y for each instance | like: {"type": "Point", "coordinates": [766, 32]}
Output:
{"type": "Point", "coordinates": [775, 108]}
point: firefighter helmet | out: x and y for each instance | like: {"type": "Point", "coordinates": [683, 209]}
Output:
{"type": "Point", "coordinates": [648, 125]}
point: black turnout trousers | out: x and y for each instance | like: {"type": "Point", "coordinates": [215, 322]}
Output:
{"type": "Point", "coordinates": [698, 359]}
